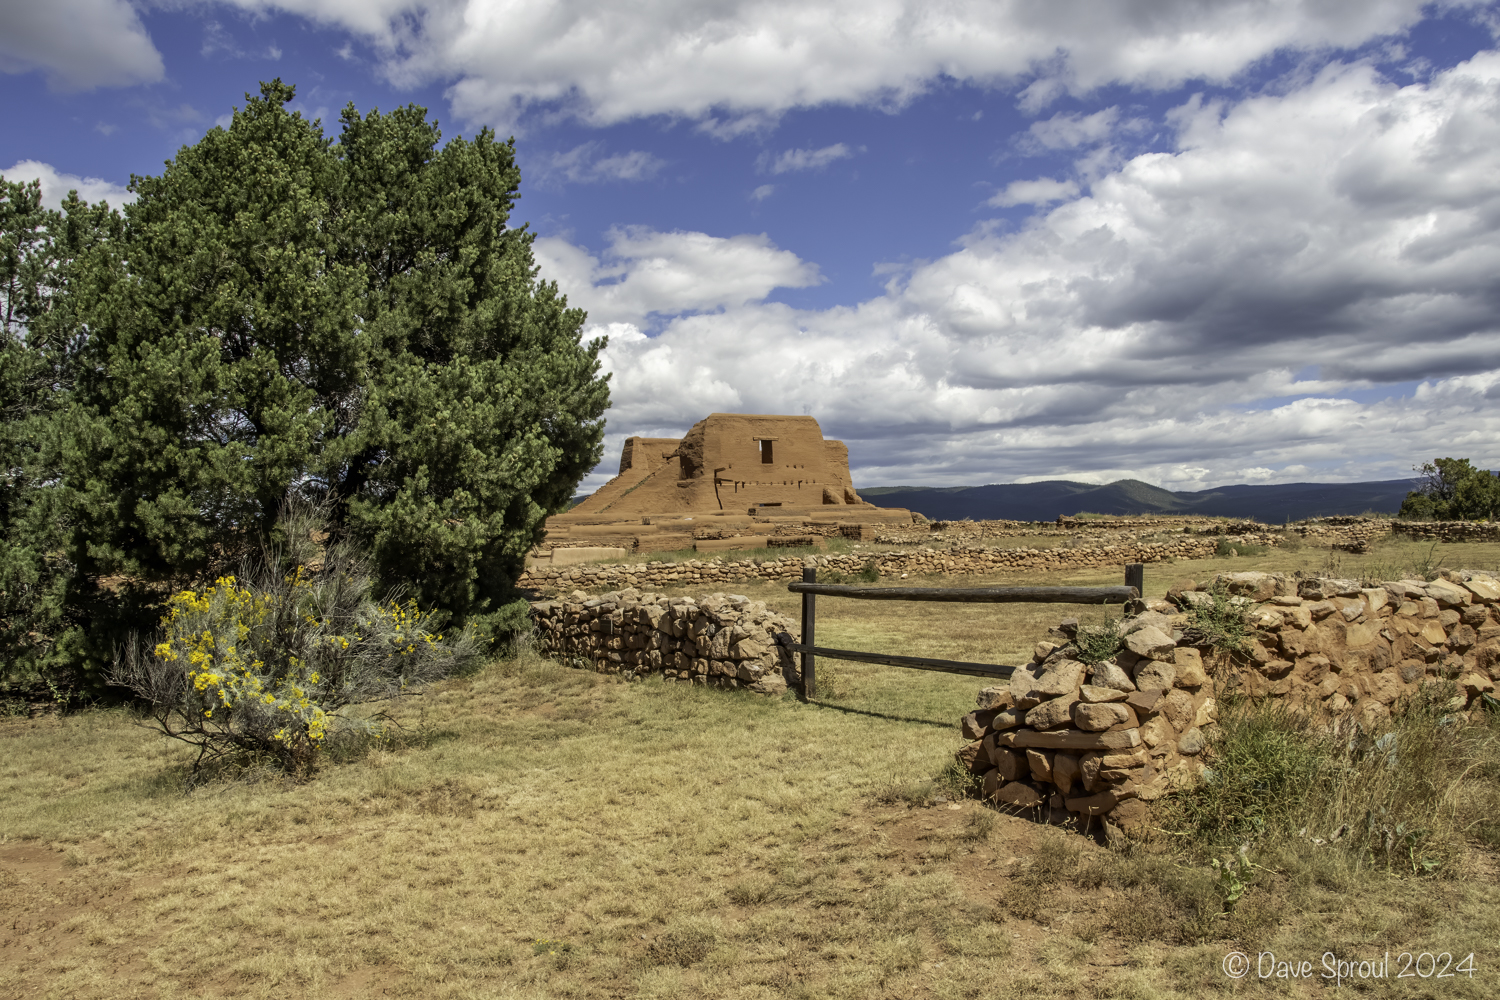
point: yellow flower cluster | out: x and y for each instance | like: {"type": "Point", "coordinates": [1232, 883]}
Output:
{"type": "Point", "coordinates": [205, 631]}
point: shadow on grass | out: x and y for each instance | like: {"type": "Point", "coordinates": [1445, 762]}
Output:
{"type": "Point", "coordinates": [948, 724]}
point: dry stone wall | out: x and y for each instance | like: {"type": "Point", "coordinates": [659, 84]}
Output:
{"type": "Point", "coordinates": [722, 640]}
{"type": "Point", "coordinates": [1449, 531]}
{"type": "Point", "coordinates": [957, 560]}
{"type": "Point", "coordinates": [1100, 740]}
{"type": "Point", "coordinates": [1106, 739]}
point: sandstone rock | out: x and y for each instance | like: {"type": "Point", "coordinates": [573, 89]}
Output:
{"type": "Point", "coordinates": [1094, 695]}
{"type": "Point", "coordinates": [1255, 586]}
{"type": "Point", "coordinates": [1447, 594]}
{"type": "Point", "coordinates": [1150, 643]}
{"type": "Point", "coordinates": [1051, 713]}
{"type": "Point", "coordinates": [1008, 718]}
{"type": "Point", "coordinates": [995, 696]}
{"type": "Point", "coordinates": [1109, 674]}
{"type": "Point", "coordinates": [1040, 764]}
{"type": "Point", "coordinates": [1020, 795]}
{"type": "Point", "coordinates": [1042, 650]}
{"type": "Point", "coordinates": [1386, 687]}
{"type": "Point", "coordinates": [1010, 765]}
{"type": "Point", "coordinates": [1189, 664]}
{"type": "Point", "coordinates": [1145, 702]}
{"type": "Point", "coordinates": [1485, 590]}
{"type": "Point", "coordinates": [971, 758]}
{"type": "Point", "coordinates": [1473, 684]}
{"type": "Point", "coordinates": [1149, 619]}
{"type": "Point", "coordinates": [1157, 732]}
{"type": "Point", "coordinates": [1206, 713]}
{"type": "Point", "coordinates": [974, 725]}
{"type": "Point", "coordinates": [1156, 674]}
{"type": "Point", "coordinates": [1074, 739]}
{"type": "Point", "coordinates": [1375, 599]}
{"type": "Point", "coordinates": [1088, 769]}
{"type": "Point", "coordinates": [1358, 635]}
{"type": "Point", "coordinates": [992, 783]}
{"type": "Point", "coordinates": [1099, 717]}
{"type": "Point", "coordinates": [1192, 743]}
{"type": "Point", "coordinates": [1178, 709]}
{"type": "Point", "coordinates": [1057, 681]}
{"type": "Point", "coordinates": [1065, 771]}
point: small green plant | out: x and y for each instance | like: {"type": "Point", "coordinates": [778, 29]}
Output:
{"type": "Point", "coordinates": [1231, 877]}
{"type": "Point", "coordinates": [1100, 641]}
{"type": "Point", "coordinates": [868, 573]}
{"type": "Point", "coordinates": [1222, 621]}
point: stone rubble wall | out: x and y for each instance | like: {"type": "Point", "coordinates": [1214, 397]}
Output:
{"type": "Point", "coordinates": [722, 640]}
{"type": "Point", "coordinates": [1106, 739]}
{"type": "Point", "coordinates": [1450, 531]}
{"type": "Point", "coordinates": [956, 560]}
{"type": "Point", "coordinates": [1094, 741]}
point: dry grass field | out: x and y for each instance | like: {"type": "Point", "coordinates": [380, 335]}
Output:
{"type": "Point", "coordinates": [545, 832]}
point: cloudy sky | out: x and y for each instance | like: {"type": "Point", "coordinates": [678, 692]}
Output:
{"type": "Point", "coordinates": [982, 242]}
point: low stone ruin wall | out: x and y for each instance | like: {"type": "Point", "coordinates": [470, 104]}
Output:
{"type": "Point", "coordinates": [958, 560]}
{"type": "Point", "coordinates": [722, 640]}
{"type": "Point", "coordinates": [1107, 739]}
{"type": "Point", "coordinates": [1449, 531]}
{"type": "Point", "coordinates": [1094, 741]}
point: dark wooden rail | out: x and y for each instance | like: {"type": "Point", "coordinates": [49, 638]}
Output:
{"type": "Point", "coordinates": [810, 589]}
{"type": "Point", "coordinates": [913, 662]}
{"type": "Point", "coordinates": [973, 595]}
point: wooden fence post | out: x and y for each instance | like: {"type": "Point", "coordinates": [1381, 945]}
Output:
{"type": "Point", "coordinates": [809, 617]}
{"type": "Point", "coordinates": [1135, 576]}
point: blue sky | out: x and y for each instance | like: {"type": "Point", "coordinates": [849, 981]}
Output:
{"type": "Point", "coordinates": [1196, 244]}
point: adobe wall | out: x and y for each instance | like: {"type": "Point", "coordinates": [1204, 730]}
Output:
{"type": "Point", "coordinates": [1072, 740]}
{"type": "Point", "coordinates": [725, 462]}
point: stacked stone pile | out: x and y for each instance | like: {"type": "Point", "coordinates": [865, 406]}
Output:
{"type": "Point", "coordinates": [1080, 740]}
{"type": "Point", "coordinates": [722, 640]}
{"type": "Point", "coordinates": [1348, 645]}
{"type": "Point", "coordinates": [1105, 739]}
{"type": "Point", "coordinates": [1449, 531]}
{"type": "Point", "coordinates": [955, 560]}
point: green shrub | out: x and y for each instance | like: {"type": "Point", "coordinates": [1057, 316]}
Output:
{"type": "Point", "coordinates": [1222, 622]}
{"type": "Point", "coordinates": [1099, 642]}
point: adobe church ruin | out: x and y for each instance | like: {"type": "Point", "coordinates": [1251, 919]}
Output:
{"type": "Point", "coordinates": [735, 480]}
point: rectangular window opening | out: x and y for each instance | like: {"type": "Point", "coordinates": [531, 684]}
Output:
{"type": "Point", "coordinates": [765, 453]}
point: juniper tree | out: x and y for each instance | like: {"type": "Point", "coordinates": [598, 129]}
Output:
{"type": "Point", "coordinates": [39, 341]}
{"type": "Point", "coordinates": [350, 319]}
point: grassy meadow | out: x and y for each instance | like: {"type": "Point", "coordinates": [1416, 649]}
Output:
{"type": "Point", "coordinates": [536, 831]}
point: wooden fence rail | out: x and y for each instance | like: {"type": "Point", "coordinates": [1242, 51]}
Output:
{"type": "Point", "coordinates": [811, 589]}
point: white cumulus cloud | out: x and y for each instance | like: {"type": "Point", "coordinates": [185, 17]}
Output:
{"type": "Point", "coordinates": [1224, 311]}
{"type": "Point", "coordinates": [79, 44]}
{"type": "Point", "coordinates": [1041, 191]}
{"type": "Point", "coordinates": [732, 63]}
{"type": "Point", "coordinates": [56, 184]}
{"type": "Point", "coordinates": [644, 272]}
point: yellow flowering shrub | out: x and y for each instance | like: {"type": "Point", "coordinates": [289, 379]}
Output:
{"type": "Point", "coordinates": [266, 666]}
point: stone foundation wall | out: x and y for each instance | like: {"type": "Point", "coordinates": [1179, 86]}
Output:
{"type": "Point", "coordinates": [722, 640]}
{"type": "Point", "coordinates": [1106, 739]}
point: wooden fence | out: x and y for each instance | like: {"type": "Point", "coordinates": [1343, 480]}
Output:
{"type": "Point", "coordinates": [811, 589]}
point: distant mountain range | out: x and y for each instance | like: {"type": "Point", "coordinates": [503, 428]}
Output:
{"type": "Point", "coordinates": [1045, 501]}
